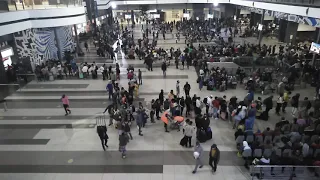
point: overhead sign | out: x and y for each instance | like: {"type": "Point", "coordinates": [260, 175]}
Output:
{"type": "Point", "coordinates": [210, 16]}
{"type": "Point", "coordinates": [186, 15]}
{"type": "Point", "coordinates": [315, 48]}
{"type": "Point", "coordinates": [260, 27]}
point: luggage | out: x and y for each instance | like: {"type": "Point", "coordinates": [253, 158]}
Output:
{"type": "Point", "coordinates": [202, 136]}
{"type": "Point", "coordinates": [81, 75]}
{"type": "Point", "coordinates": [209, 133]}
{"type": "Point", "coordinates": [264, 116]}
{"type": "Point", "coordinates": [184, 141]}
{"type": "Point", "coordinates": [223, 115]}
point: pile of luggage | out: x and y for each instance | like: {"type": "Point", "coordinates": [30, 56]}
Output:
{"type": "Point", "coordinates": [204, 135]}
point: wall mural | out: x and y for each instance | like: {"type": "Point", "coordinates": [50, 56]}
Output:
{"type": "Point", "coordinates": [64, 39]}
{"type": "Point", "coordinates": [38, 45]}
{"type": "Point", "coordinates": [289, 17]}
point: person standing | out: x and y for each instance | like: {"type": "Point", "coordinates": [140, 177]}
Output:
{"type": "Point", "coordinates": [178, 88]}
{"type": "Point", "coordinates": [123, 140]}
{"type": "Point", "coordinates": [161, 97]}
{"type": "Point", "coordinates": [295, 104]}
{"type": "Point", "coordinates": [198, 151]}
{"type": "Point", "coordinates": [164, 69]}
{"type": "Point", "coordinates": [214, 157]}
{"type": "Point", "coordinates": [188, 103]}
{"type": "Point", "coordinates": [139, 77]}
{"type": "Point", "coordinates": [186, 89]}
{"type": "Point", "coordinates": [279, 104]}
{"type": "Point", "coordinates": [188, 132]}
{"type": "Point", "coordinates": [65, 102]}
{"type": "Point", "coordinates": [139, 120]}
{"type": "Point", "coordinates": [286, 97]}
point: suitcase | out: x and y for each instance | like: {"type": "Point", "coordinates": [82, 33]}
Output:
{"type": "Point", "coordinates": [184, 141]}
{"type": "Point", "coordinates": [209, 133]}
{"type": "Point", "coordinates": [202, 136]}
{"type": "Point", "coordinates": [264, 116]}
{"type": "Point", "coordinates": [81, 75]}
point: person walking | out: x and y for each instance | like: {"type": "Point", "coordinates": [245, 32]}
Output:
{"type": "Point", "coordinates": [139, 120]}
{"type": "Point", "coordinates": [110, 89]}
{"type": "Point", "coordinates": [102, 132]}
{"type": "Point", "coordinates": [164, 69]}
{"type": "Point", "coordinates": [198, 151]}
{"type": "Point", "coordinates": [65, 102]}
{"type": "Point", "coordinates": [178, 88]}
{"type": "Point", "coordinates": [126, 128]}
{"type": "Point", "coordinates": [139, 77]}
{"type": "Point", "coordinates": [86, 46]}
{"type": "Point", "coordinates": [214, 157]}
{"type": "Point", "coordinates": [123, 140]}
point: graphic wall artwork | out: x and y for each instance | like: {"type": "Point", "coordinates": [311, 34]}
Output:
{"type": "Point", "coordinates": [289, 17]}
{"type": "Point", "coordinates": [38, 45]}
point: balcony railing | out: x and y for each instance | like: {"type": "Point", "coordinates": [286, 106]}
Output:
{"type": "Point", "coordinates": [294, 2]}
{"type": "Point", "coordinates": [18, 5]}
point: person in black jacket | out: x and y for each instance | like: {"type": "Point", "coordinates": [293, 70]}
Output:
{"type": "Point", "coordinates": [269, 104]}
{"type": "Point", "coordinates": [187, 88]}
{"type": "Point", "coordinates": [214, 157]}
{"type": "Point", "coordinates": [161, 97]}
{"type": "Point", "coordinates": [188, 103]}
{"type": "Point", "coordinates": [295, 103]}
{"type": "Point", "coordinates": [102, 132]}
{"type": "Point", "coordinates": [181, 103]}
{"type": "Point", "coordinates": [164, 69]}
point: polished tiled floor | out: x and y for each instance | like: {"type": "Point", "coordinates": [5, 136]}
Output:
{"type": "Point", "coordinates": [37, 142]}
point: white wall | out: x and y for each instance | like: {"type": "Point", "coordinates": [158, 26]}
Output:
{"type": "Point", "coordinates": [243, 11]}
{"type": "Point", "coordinates": [304, 27]}
{"type": "Point", "coordinates": [19, 15]}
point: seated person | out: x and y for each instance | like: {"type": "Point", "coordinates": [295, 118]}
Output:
{"type": "Point", "coordinates": [267, 132]}
{"type": "Point", "coordinates": [268, 145]}
{"type": "Point", "coordinates": [281, 123]}
{"type": "Point", "coordinates": [239, 132]}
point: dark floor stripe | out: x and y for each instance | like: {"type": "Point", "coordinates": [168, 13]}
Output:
{"type": "Point", "coordinates": [44, 100]}
{"type": "Point", "coordinates": [26, 104]}
{"type": "Point", "coordinates": [81, 168]}
{"type": "Point", "coordinates": [46, 126]}
{"type": "Point", "coordinates": [167, 77]}
{"type": "Point", "coordinates": [55, 86]}
{"type": "Point", "coordinates": [81, 158]}
{"type": "Point", "coordinates": [24, 141]}
{"type": "Point", "coordinates": [70, 117]}
{"type": "Point", "coordinates": [74, 93]}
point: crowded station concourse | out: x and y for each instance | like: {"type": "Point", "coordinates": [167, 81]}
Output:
{"type": "Point", "coordinates": [166, 100]}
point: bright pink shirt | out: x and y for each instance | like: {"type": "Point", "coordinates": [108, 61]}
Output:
{"type": "Point", "coordinates": [65, 100]}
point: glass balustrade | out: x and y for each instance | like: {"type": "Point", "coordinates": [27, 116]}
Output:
{"type": "Point", "coordinates": [18, 5]}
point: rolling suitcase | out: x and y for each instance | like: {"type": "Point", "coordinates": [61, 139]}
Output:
{"type": "Point", "coordinates": [184, 141]}
{"type": "Point", "coordinates": [209, 133]}
{"type": "Point", "coordinates": [202, 136]}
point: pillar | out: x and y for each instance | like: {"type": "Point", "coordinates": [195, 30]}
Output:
{"type": "Point", "coordinates": [3, 73]}
{"type": "Point", "coordinates": [58, 44]}
{"type": "Point", "coordinates": [288, 31]}
{"type": "Point", "coordinates": [198, 11]}
{"type": "Point", "coordinates": [132, 17]}
{"type": "Point", "coordinates": [261, 22]}
{"type": "Point", "coordinates": [77, 40]}
{"type": "Point", "coordinates": [89, 12]}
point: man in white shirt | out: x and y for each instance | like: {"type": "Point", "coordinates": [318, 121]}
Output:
{"type": "Point", "coordinates": [85, 71]}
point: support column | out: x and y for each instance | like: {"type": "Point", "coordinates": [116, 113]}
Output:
{"type": "Point", "coordinates": [291, 32]}
{"type": "Point", "coordinates": [132, 17]}
{"type": "Point", "coordinates": [89, 13]}
{"type": "Point", "coordinates": [261, 22]}
{"type": "Point", "coordinates": [58, 44]}
{"type": "Point", "coordinates": [3, 73]}
{"type": "Point", "coordinates": [77, 40]}
{"type": "Point", "coordinates": [317, 41]}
